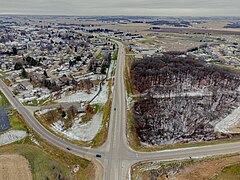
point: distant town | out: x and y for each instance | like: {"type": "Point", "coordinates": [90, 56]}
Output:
{"type": "Point", "coordinates": [84, 92]}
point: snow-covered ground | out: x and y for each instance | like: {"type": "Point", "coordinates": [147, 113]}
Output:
{"type": "Point", "coordinates": [190, 94]}
{"type": "Point", "coordinates": [12, 136]}
{"type": "Point", "coordinates": [84, 96]}
{"type": "Point", "coordinates": [130, 102]}
{"type": "Point", "coordinates": [229, 122]}
{"type": "Point", "coordinates": [90, 76]}
{"type": "Point", "coordinates": [44, 111]}
{"type": "Point", "coordinates": [81, 131]}
{"type": "Point", "coordinates": [103, 96]}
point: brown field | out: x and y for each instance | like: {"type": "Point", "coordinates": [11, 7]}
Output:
{"type": "Point", "coordinates": [201, 169]}
{"type": "Point", "coordinates": [177, 44]}
{"type": "Point", "coordinates": [197, 31]}
{"type": "Point", "coordinates": [206, 169]}
{"type": "Point", "coordinates": [218, 25]}
{"type": "Point", "coordinates": [133, 28]}
{"type": "Point", "coordinates": [14, 167]}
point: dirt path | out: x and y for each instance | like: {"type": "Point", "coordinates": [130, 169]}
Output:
{"type": "Point", "coordinates": [14, 167]}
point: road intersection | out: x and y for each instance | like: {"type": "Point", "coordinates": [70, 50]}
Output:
{"type": "Point", "coordinates": [117, 156]}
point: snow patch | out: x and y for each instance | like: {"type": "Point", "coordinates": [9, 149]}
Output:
{"type": "Point", "coordinates": [229, 122]}
{"type": "Point", "coordinates": [34, 140]}
{"type": "Point", "coordinates": [83, 96]}
{"type": "Point", "coordinates": [103, 96]}
{"type": "Point", "coordinates": [12, 136]}
{"type": "Point", "coordinates": [44, 111]}
{"type": "Point", "coordinates": [81, 131]}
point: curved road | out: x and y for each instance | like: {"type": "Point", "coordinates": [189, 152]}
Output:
{"type": "Point", "coordinates": [117, 156]}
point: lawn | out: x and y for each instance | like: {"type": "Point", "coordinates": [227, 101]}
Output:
{"type": "Point", "coordinates": [129, 60]}
{"type": "Point", "coordinates": [16, 121]}
{"type": "Point", "coordinates": [115, 55]}
{"type": "Point", "coordinates": [229, 172]}
{"type": "Point", "coordinates": [3, 100]}
{"type": "Point", "coordinates": [6, 81]}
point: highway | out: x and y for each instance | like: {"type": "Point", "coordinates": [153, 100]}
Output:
{"type": "Point", "coordinates": [117, 156]}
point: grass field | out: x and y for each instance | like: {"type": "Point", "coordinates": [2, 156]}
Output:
{"type": "Point", "coordinates": [129, 60]}
{"type": "Point", "coordinates": [16, 120]}
{"type": "Point", "coordinates": [6, 81]}
{"type": "Point", "coordinates": [115, 55]}
{"type": "Point", "coordinates": [3, 100]}
{"type": "Point", "coordinates": [46, 160]}
{"type": "Point", "coordinates": [229, 172]}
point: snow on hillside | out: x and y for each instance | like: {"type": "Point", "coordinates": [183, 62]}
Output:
{"type": "Point", "coordinates": [229, 122]}
{"type": "Point", "coordinates": [80, 131]}
{"type": "Point", "coordinates": [84, 96]}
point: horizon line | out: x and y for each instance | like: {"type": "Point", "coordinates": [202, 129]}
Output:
{"type": "Point", "coordinates": [237, 16]}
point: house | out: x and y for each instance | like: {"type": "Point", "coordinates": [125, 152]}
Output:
{"type": "Point", "coordinates": [23, 86]}
{"type": "Point", "coordinates": [36, 77]}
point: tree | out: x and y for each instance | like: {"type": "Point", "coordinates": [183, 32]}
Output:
{"type": "Point", "coordinates": [45, 74]}
{"type": "Point", "coordinates": [18, 66]}
{"type": "Point", "coordinates": [31, 61]}
{"type": "Point", "coordinates": [14, 51]}
{"type": "Point", "coordinates": [104, 68]}
{"type": "Point", "coordinates": [63, 114]}
{"type": "Point", "coordinates": [89, 109]}
{"type": "Point", "coordinates": [88, 84]}
{"type": "Point", "coordinates": [78, 58]}
{"type": "Point", "coordinates": [24, 73]}
{"type": "Point", "coordinates": [73, 111]}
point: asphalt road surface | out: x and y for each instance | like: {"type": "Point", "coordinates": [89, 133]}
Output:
{"type": "Point", "coordinates": [117, 156]}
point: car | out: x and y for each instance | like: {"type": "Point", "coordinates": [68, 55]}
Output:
{"type": "Point", "coordinates": [14, 96]}
{"type": "Point", "coordinates": [98, 155]}
{"type": "Point", "coordinates": [115, 109]}
{"type": "Point", "coordinates": [68, 148]}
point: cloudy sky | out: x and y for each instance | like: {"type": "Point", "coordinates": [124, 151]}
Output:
{"type": "Point", "coordinates": [122, 7]}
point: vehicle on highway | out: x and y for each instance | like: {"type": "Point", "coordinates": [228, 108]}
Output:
{"type": "Point", "coordinates": [68, 148]}
{"type": "Point", "coordinates": [98, 155]}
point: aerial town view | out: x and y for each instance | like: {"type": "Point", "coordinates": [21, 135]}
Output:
{"type": "Point", "coordinates": [128, 90]}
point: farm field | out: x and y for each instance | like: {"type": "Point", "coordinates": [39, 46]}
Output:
{"type": "Point", "coordinates": [14, 167]}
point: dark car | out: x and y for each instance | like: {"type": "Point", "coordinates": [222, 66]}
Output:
{"type": "Point", "coordinates": [98, 155]}
{"type": "Point", "coordinates": [68, 148]}
{"type": "Point", "coordinates": [114, 109]}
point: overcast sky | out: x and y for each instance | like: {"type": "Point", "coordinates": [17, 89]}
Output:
{"type": "Point", "coordinates": [122, 7]}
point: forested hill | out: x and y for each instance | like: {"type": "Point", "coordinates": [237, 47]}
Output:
{"type": "Point", "coordinates": [185, 99]}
